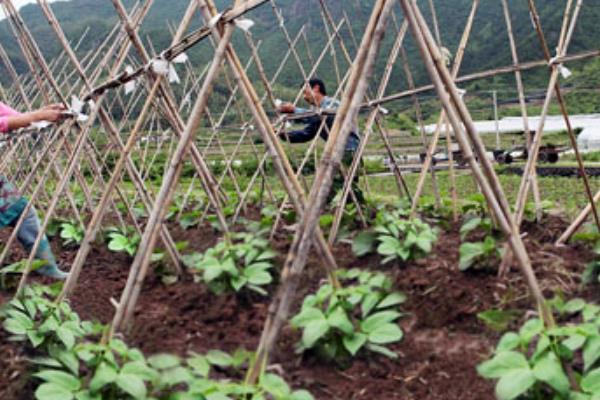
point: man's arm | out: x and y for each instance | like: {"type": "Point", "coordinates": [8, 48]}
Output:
{"type": "Point", "coordinates": [303, 135]}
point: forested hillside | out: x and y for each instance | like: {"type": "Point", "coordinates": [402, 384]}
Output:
{"type": "Point", "coordinates": [487, 48]}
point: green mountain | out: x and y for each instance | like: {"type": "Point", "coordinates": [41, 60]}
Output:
{"type": "Point", "coordinates": [488, 47]}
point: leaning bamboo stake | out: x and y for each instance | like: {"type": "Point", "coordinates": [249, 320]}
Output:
{"type": "Point", "coordinates": [530, 167]}
{"type": "Point", "coordinates": [510, 69]}
{"type": "Point", "coordinates": [451, 172]}
{"type": "Point", "coordinates": [271, 140]}
{"type": "Point", "coordinates": [72, 163]}
{"type": "Point", "coordinates": [296, 260]}
{"type": "Point", "coordinates": [438, 129]}
{"type": "Point", "coordinates": [367, 132]}
{"type": "Point", "coordinates": [174, 118]}
{"type": "Point", "coordinates": [483, 170]}
{"type": "Point", "coordinates": [519, 80]}
{"type": "Point", "coordinates": [129, 295]}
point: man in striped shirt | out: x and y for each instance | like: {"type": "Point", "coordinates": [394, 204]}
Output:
{"type": "Point", "coordinates": [315, 94]}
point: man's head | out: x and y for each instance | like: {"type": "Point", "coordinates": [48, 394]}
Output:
{"type": "Point", "coordinates": [315, 91]}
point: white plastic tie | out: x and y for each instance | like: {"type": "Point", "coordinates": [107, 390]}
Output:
{"type": "Point", "coordinates": [40, 124]}
{"type": "Point", "coordinates": [564, 71]}
{"type": "Point", "coordinates": [160, 66]}
{"type": "Point", "coordinates": [461, 92]}
{"type": "Point", "coordinates": [214, 20]}
{"type": "Point", "coordinates": [76, 109]}
{"type": "Point", "coordinates": [173, 76]}
{"type": "Point", "coordinates": [180, 59]}
{"type": "Point", "coordinates": [129, 86]}
{"type": "Point", "coordinates": [244, 24]}
{"type": "Point", "coordinates": [383, 110]}
{"type": "Point", "coordinates": [532, 20]}
{"type": "Point", "coordinates": [76, 104]}
{"type": "Point", "coordinates": [278, 103]}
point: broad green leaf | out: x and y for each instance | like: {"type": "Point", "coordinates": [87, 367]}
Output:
{"type": "Point", "coordinates": [548, 369]}
{"type": "Point", "coordinates": [20, 317]}
{"type": "Point", "coordinates": [424, 244]}
{"type": "Point", "coordinates": [52, 391]}
{"type": "Point", "coordinates": [385, 334]}
{"type": "Point", "coordinates": [388, 246]}
{"type": "Point", "coordinates": [469, 252]}
{"type": "Point", "coordinates": [574, 342]}
{"type": "Point", "coordinates": [132, 384]}
{"type": "Point", "coordinates": [175, 376]}
{"type": "Point", "coordinates": [497, 320]}
{"type": "Point", "coordinates": [591, 352]}
{"type": "Point", "coordinates": [275, 385]}
{"type": "Point", "coordinates": [590, 382]}
{"type": "Point", "coordinates": [313, 331]}
{"type": "Point", "coordinates": [369, 302]}
{"type": "Point", "coordinates": [338, 319]}
{"type": "Point", "coordinates": [514, 384]}
{"type": "Point", "coordinates": [199, 364]}
{"type": "Point", "coordinates": [530, 329]}
{"type": "Point", "coordinates": [382, 350]}
{"type": "Point", "coordinates": [509, 341]}
{"type": "Point", "coordinates": [220, 358]}
{"type": "Point", "coordinates": [364, 243]}
{"type": "Point", "coordinates": [66, 336]}
{"type": "Point", "coordinates": [266, 255]}
{"type": "Point", "coordinates": [376, 320]}
{"type": "Point", "coordinates": [164, 361]}
{"type": "Point", "coordinates": [139, 368]}
{"type": "Point", "coordinates": [15, 327]}
{"type": "Point", "coordinates": [574, 306]}
{"type": "Point", "coordinates": [60, 378]}
{"type": "Point", "coordinates": [469, 226]}
{"type": "Point", "coordinates": [307, 315]}
{"type": "Point", "coordinates": [238, 282]}
{"type": "Point", "coordinates": [391, 300]}
{"type": "Point", "coordinates": [258, 276]}
{"type": "Point", "coordinates": [35, 338]}
{"type": "Point", "coordinates": [354, 343]}
{"type": "Point", "coordinates": [301, 395]}
{"type": "Point", "coordinates": [503, 363]}
{"type": "Point", "coordinates": [104, 375]}
{"type": "Point", "coordinates": [212, 271]}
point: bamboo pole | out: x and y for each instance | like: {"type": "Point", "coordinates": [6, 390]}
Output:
{"type": "Point", "coordinates": [141, 261]}
{"type": "Point", "coordinates": [522, 104]}
{"type": "Point", "coordinates": [483, 170]}
{"type": "Point", "coordinates": [296, 260]}
{"type": "Point", "coordinates": [438, 129]}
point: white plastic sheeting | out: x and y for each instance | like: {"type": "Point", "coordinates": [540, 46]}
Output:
{"type": "Point", "coordinates": [588, 139]}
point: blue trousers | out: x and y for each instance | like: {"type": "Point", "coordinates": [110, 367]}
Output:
{"type": "Point", "coordinates": [28, 232]}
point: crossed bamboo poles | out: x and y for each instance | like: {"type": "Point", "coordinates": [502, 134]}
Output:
{"type": "Point", "coordinates": [161, 99]}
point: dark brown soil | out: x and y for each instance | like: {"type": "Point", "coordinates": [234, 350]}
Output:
{"type": "Point", "coordinates": [444, 340]}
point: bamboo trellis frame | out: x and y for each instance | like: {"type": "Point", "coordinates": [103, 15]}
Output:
{"type": "Point", "coordinates": [155, 102]}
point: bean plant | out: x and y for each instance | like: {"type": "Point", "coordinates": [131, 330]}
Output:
{"type": "Point", "coordinates": [123, 241]}
{"type": "Point", "coordinates": [245, 261]}
{"type": "Point", "coordinates": [396, 237]}
{"type": "Point", "coordinates": [362, 315]}
{"type": "Point", "coordinates": [479, 254]}
{"type": "Point", "coordinates": [71, 233]}
{"type": "Point", "coordinates": [71, 366]}
{"type": "Point", "coordinates": [533, 362]}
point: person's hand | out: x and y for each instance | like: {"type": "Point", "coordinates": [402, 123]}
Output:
{"type": "Point", "coordinates": [50, 113]}
{"type": "Point", "coordinates": [287, 108]}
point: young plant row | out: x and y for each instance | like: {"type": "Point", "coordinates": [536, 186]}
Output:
{"type": "Point", "coordinates": [560, 363]}
{"type": "Point", "coordinates": [71, 365]}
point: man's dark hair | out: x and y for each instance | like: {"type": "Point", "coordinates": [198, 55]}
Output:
{"type": "Point", "coordinates": [316, 81]}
